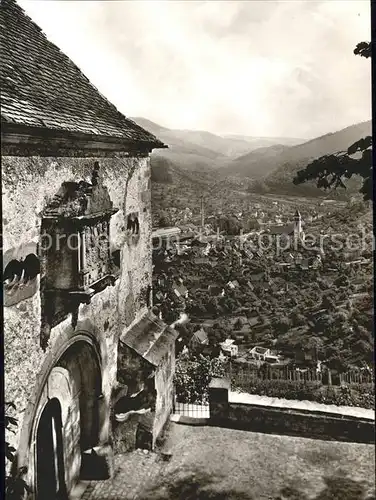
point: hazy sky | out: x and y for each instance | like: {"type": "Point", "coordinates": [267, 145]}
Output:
{"type": "Point", "coordinates": [261, 68]}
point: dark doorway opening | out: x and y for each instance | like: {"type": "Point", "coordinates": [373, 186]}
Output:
{"type": "Point", "coordinates": [50, 458]}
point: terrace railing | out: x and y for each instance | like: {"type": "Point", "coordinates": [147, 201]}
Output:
{"type": "Point", "coordinates": [196, 408]}
{"type": "Point", "coordinates": [192, 410]}
{"type": "Point", "coordinates": [243, 374]}
{"type": "Point", "coordinates": [289, 384]}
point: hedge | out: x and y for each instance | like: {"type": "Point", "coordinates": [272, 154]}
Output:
{"type": "Point", "coordinates": [192, 377]}
{"type": "Point", "coordinates": [361, 395]}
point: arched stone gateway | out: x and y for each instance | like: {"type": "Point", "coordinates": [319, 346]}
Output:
{"type": "Point", "coordinates": [67, 424]}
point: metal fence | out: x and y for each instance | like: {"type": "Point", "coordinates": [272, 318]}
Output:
{"type": "Point", "coordinates": [357, 377]}
{"type": "Point", "coordinates": [243, 374]}
{"type": "Point", "coordinates": [192, 410]}
{"type": "Point", "coordinates": [196, 406]}
{"type": "Point", "coordinates": [250, 373]}
{"type": "Point", "coordinates": [251, 377]}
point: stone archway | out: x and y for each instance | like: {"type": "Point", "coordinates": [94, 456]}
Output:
{"type": "Point", "coordinates": [79, 361]}
{"type": "Point", "coordinates": [67, 421]}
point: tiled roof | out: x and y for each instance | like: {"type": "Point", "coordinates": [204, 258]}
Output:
{"type": "Point", "coordinates": [180, 288]}
{"type": "Point", "coordinates": [260, 350]}
{"type": "Point", "coordinates": [151, 338]}
{"type": "Point", "coordinates": [201, 335]}
{"type": "Point", "coordinates": [289, 229]}
{"type": "Point", "coordinates": [165, 232]}
{"type": "Point", "coordinates": [254, 321]}
{"type": "Point", "coordinates": [42, 87]}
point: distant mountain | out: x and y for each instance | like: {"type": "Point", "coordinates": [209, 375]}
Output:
{"type": "Point", "coordinates": [297, 158]}
{"type": "Point", "coordinates": [198, 158]}
{"type": "Point", "coordinates": [255, 164]}
{"type": "Point", "coordinates": [165, 171]}
{"type": "Point", "coordinates": [152, 127]}
{"type": "Point", "coordinates": [182, 150]}
{"type": "Point", "coordinates": [202, 150]}
{"type": "Point", "coordinates": [261, 142]}
{"type": "Point", "coordinates": [277, 165]}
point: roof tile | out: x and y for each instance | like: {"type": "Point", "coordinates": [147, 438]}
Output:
{"type": "Point", "coordinates": [41, 86]}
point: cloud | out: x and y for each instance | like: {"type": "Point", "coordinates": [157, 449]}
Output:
{"type": "Point", "coordinates": [273, 68]}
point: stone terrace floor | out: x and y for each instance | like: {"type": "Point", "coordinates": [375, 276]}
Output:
{"type": "Point", "coordinates": [224, 464]}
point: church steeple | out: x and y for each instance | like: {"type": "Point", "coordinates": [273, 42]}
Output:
{"type": "Point", "coordinates": [297, 215]}
{"type": "Point", "coordinates": [298, 224]}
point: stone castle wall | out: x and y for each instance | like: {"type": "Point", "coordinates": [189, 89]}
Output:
{"type": "Point", "coordinates": [28, 183]}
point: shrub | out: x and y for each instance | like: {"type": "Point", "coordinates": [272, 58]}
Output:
{"type": "Point", "coordinates": [193, 375]}
{"type": "Point", "coordinates": [285, 389]}
{"type": "Point", "coordinates": [15, 486]}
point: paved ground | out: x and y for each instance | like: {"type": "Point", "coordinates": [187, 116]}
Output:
{"type": "Point", "coordinates": [225, 464]}
{"type": "Point", "coordinates": [133, 473]}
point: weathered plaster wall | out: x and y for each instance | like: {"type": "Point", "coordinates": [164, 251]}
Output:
{"type": "Point", "coordinates": [27, 184]}
{"type": "Point", "coordinates": [132, 369]}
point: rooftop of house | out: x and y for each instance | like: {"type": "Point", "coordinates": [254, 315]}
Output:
{"type": "Point", "coordinates": [235, 319]}
{"type": "Point", "coordinates": [201, 260]}
{"type": "Point", "coordinates": [257, 276]}
{"type": "Point", "coordinates": [253, 321]}
{"type": "Point", "coordinates": [197, 242]}
{"type": "Point", "coordinates": [281, 229]}
{"type": "Point", "coordinates": [358, 281]}
{"type": "Point", "coordinates": [259, 350]}
{"type": "Point", "coordinates": [180, 288]}
{"type": "Point", "coordinates": [165, 231]}
{"type": "Point", "coordinates": [41, 88]}
{"type": "Point", "coordinates": [187, 235]}
{"type": "Point", "coordinates": [359, 295]}
{"type": "Point", "coordinates": [305, 263]}
{"type": "Point", "coordinates": [201, 335]}
{"type": "Point", "coordinates": [227, 342]}
{"type": "Point", "coordinates": [273, 356]}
